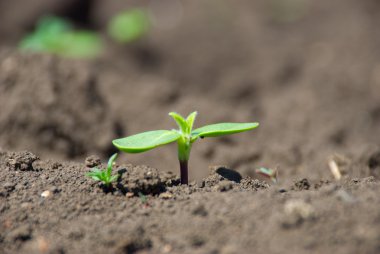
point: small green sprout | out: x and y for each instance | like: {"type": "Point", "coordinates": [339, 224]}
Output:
{"type": "Point", "coordinates": [272, 174]}
{"type": "Point", "coordinates": [129, 26]}
{"type": "Point", "coordinates": [105, 176]}
{"type": "Point", "coordinates": [56, 36]}
{"type": "Point", "coordinates": [185, 137]}
{"type": "Point", "coordinates": [143, 198]}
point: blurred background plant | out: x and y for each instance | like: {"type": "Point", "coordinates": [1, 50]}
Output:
{"type": "Point", "coordinates": [129, 25]}
{"type": "Point", "coordinates": [287, 11]}
{"type": "Point", "coordinates": [57, 36]}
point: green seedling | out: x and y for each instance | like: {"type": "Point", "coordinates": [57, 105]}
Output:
{"type": "Point", "coordinates": [143, 198]}
{"type": "Point", "coordinates": [129, 26]}
{"type": "Point", "coordinates": [56, 36]}
{"type": "Point", "coordinates": [104, 176]}
{"type": "Point", "coordinates": [272, 174]}
{"type": "Point", "coordinates": [185, 137]}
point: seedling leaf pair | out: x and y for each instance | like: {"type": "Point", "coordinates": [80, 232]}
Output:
{"type": "Point", "coordinates": [185, 136]}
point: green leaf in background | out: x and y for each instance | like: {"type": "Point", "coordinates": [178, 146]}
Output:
{"type": "Point", "coordinates": [129, 25]}
{"type": "Point", "coordinates": [146, 141]}
{"type": "Point", "coordinates": [56, 36]}
{"type": "Point", "coordinates": [84, 44]}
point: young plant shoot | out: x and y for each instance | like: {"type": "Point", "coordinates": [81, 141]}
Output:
{"type": "Point", "coordinates": [105, 176]}
{"type": "Point", "coordinates": [185, 137]}
{"type": "Point", "coordinates": [272, 174]}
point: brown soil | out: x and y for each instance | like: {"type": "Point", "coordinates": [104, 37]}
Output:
{"type": "Point", "coordinates": [312, 81]}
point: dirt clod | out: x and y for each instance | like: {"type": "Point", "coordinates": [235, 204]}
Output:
{"type": "Point", "coordinates": [21, 160]}
{"type": "Point", "coordinates": [8, 186]}
{"type": "Point", "coordinates": [224, 185]}
{"type": "Point", "coordinates": [302, 184]}
{"type": "Point", "coordinates": [22, 233]}
{"type": "Point", "coordinates": [146, 180]}
{"type": "Point", "coordinates": [92, 161]}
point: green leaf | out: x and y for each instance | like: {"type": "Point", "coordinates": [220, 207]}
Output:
{"type": "Point", "coordinates": [220, 129]}
{"type": "Point", "coordinates": [79, 44]}
{"type": "Point", "coordinates": [96, 175]}
{"type": "Point", "coordinates": [114, 178]}
{"type": "Point", "coordinates": [190, 120]}
{"type": "Point", "coordinates": [96, 178]}
{"type": "Point", "coordinates": [110, 162]}
{"type": "Point", "coordinates": [146, 141]}
{"type": "Point", "coordinates": [181, 122]}
{"type": "Point", "coordinates": [94, 171]}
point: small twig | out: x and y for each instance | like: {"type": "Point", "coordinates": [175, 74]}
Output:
{"type": "Point", "coordinates": [335, 170]}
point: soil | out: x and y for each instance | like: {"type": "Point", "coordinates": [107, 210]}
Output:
{"type": "Point", "coordinates": [309, 75]}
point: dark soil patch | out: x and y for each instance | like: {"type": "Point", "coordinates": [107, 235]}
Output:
{"type": "Point", "coordinates": [57, 209]}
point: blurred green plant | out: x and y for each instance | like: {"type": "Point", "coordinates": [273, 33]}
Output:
{"type": "Point", "coordinates": [288, 11]}
{"type": "Point", "coordinates": [56, 35]}
{"type": "Point", "coordinates": [128, 26]}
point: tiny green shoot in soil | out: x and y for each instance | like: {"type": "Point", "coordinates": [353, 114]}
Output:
{"type": "Point", "coordinates": [105, 176]}
{"type": "Point", "coordinates": [272, 174]}
{"type": "Point", "coordinates": [185, 137]}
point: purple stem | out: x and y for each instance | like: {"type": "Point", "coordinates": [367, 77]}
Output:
{"type": "Point", "coordinates": [184, 172]}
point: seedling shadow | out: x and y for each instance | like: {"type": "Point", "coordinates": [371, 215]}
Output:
{"type": "Point", "coordinates": [119, 184]}
{"type": "Point", "coordinates": [229, 174]}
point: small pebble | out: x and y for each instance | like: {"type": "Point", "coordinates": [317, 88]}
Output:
{"type": "Point", "coordinates": [25, 205]}
{"type": "Point", "coordinates": [167, 248]}
{"type": "Point", "coordinates": [46, 194]}
{"type": "Point", "coordinates": [166, 195]}
{"type": "Point", "coordinates": [42, 244]}
{"type": "Point", "coordinates": [129, 194]}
